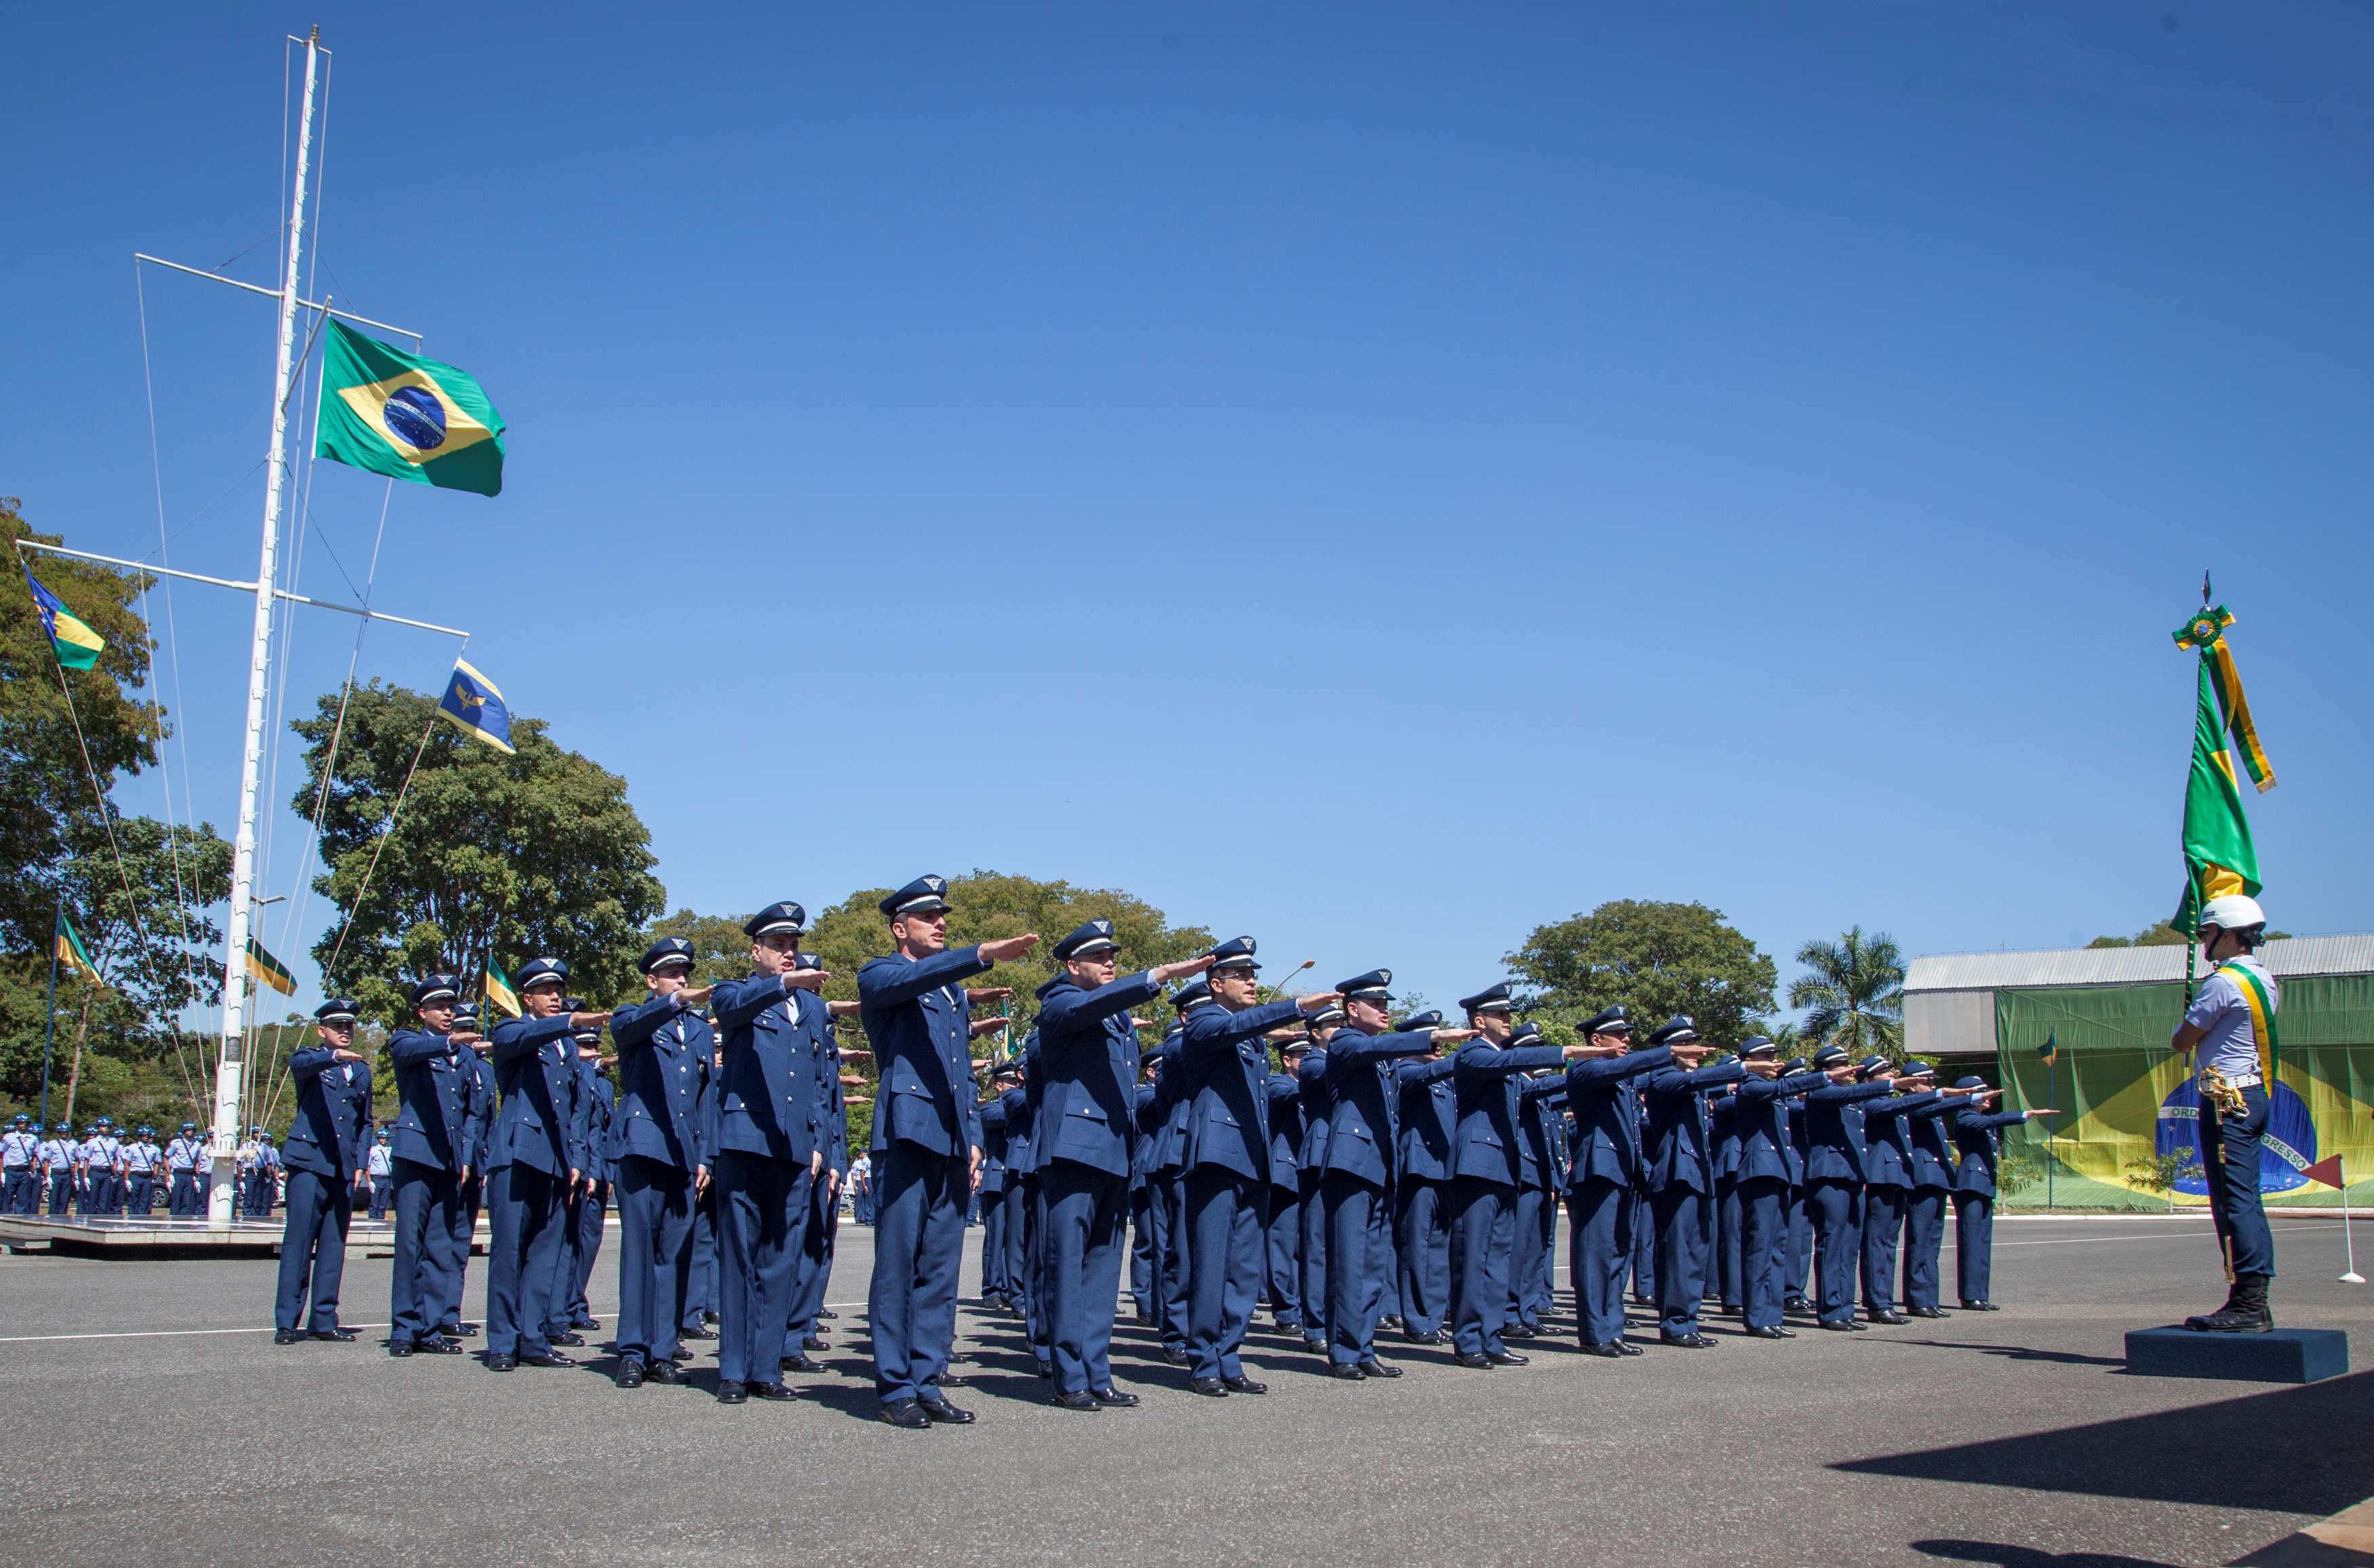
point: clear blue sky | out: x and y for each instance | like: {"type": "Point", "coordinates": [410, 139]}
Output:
{"type": "Point", "coordinates": [1374, 477]}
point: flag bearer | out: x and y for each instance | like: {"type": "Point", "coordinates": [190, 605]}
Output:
{"type": "Point", "coordinates": [1975, 1137]}
{"type": "Point", "coordinates": [2232, 1025]}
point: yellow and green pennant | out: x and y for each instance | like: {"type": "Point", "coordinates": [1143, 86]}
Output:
{"type": "Point", "coordinates": [71, 952]}
{"type": "Point", "coordinates": [2206, 631]}
{"type": "Point", "coordinates": [406, 416]}
{"type": "Point", "coordinates": [499, 990]}
{"type": "Point", "coordinates": [78, 646]}
{"type": "Point", "coordinates": [2218, 856]}
{"type": "Point", "coordinates": [266, 970]}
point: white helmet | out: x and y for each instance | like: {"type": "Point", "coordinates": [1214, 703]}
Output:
{"type": "Point", "coordinates": [2232, 912]}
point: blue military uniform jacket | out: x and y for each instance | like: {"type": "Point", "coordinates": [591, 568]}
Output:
{"type": "Point", "coordinates": [1021, 1116]}
{"type": "Point", "coordinates": [915, 1013]}
{"type": "Point", "coordinates": [1227, 1070]}
{"type": "Point", "coordinates": [333, 1103]}
{"type": "Point", "coordinates": [539, 1125]}
{"type": "Point", "coordinates": [478, 1128]}
{"type": "Point", "coordinates": [1722, 1126]}
{"type": "Point", "coordinates": [993, 1148]}
{"type": "Point", "coordinates": [1888, 1147]}
{"type": "Point", "coordinates": [1678, 1152]}
{"type": "Point", "coordinates": [1768, 1150]}
{"type": "Point", "coordinates": [1149, 1114]}
{"type": "Point", "coordinates": [1088, 1069]}
{"type": "Point", "coordinates": [664, 1052]}
{"type": "Point", "coordinates": [1834, 1130]}
{"type": "Point", "coordinates": [598, 1106]}
{"type": "Point", "coordinates": [1537, 1144]}
{"type": "Point", "coordinates": [1975, 1135]}
{"type": "Point", "coordinates": [1361, 1134]}
{"type": "Point", "coordinates": [1485, 1097]}
{"type": "Point", "coordinates": [1318, 1109]}
{"type": "Point", "coordinates": [1429, 1102]}
{"type": "Point", "coordinates": [436, 1092]}
{"type": "Point", "coordinates": [1932, 1164]}
{"type": "Point", "coordinates": [1286, 1128]}
{"type": "Point", "coordinates": [1606, 1114]}
{"type": "Point", "coordinates": [767, 1093]}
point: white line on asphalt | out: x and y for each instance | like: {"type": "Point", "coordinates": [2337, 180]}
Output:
{"type": "Point", "coordinates": [170, 1333]}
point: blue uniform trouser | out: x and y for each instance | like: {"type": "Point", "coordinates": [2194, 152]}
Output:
{"type": "Point", "coordinates": [455, 1258]}
{"type": "Point", "coordinates": [1924, 1238]}
{"type": "Point", "coordinates": [1311, 1184]}
{"type": "Point", "coordinates": [1359, 1256]}
{"type": "Point", "coordinates": [1014, 1228]}
{"type": "Point", "coordinates": [563, 1310]}
{"type": "Point", "coordinates": [1422, 1252]}
{"type": "Point", "coordinates": [2229, 1150]}
{"type": "Point", "coordinates": [1224, 1252]}
{"type": "Point", "coordinates": [993, 1238]}
{"type": "Point", "coordinates": [1801, 1247]}
{"type": "Point", "coordinates": [383, 1193]}
{"type": "Point", "coordinates": [1883, 1223]}
{"type": "Point", "coordinates": [1039, 1320]}
{"type": "Point", "coordinates": [1763, 1205]}
{"type": "Point", "coordinates": [1974, 1243]}
{"type": "Point", "coordinates": [1838, 1244]}
{"type": "Point", "coordinates": [1644, 1249]}
{"type": "Point", "coordinates": [1729, 1242]}
{"type": "Point", "coordinates": [1605, 1218]}
{"type": "Point", "coordinates": [183, 1199]}
{"type": "Point", "coordinates": [1145, 1260]}
{"type": "Point", "coordinates": [528, 1213]}
{"type": "Point", "coordinates": [762, 1215]}
{"type": "Point", "coordinates": [918, 1250]}
{"type": "Point", "coordinates": [1531, 1242]}
{"type": "Point", "coordinates": [1482, 1222]}
{"type": "Point", "coordinates": [1170, 1187]}
{"type": "Point", "coordinates": [654, 1257]}
{"type": "Point", "coordinates": [426, 1198]}
{"type": "Point", "coordinates": [312, 1250]}
{"type": "Point", "coordinates": [1681, 1257]}
{"type": "Point", "coordinates": [61, 1189]}
{"type": "Point", "coordinates": [1282, 1224]}
{"type": "Point", "coordinates": [19, 1177]}
{"type": "Point", "coordinates": [1082, 1241]}
{"type": "Point", "coordinates": [700, 1295]}
{"type": "Point", "coordinates": [585, 1246]}
{"type": "Point", "coordinates": [816, 1265]}
{"type": "Point", "coordinates": [144, 1194]}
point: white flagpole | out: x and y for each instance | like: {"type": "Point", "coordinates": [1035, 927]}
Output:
{"type": "Point", "coordinates": [2341, 1169]}
{"type": "Point", "coordinates": [223, 1191]}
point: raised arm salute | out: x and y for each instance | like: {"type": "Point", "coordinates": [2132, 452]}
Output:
{"type": "Point", "coordinates": [926, 1144]}
{"type": "Point", "coordinates": [664, 1049]}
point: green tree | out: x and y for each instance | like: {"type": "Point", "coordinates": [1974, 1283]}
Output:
{"type": "Point", "coordinates": [509, 856]}
{"type": "Point", "coordinates": [48, 792]}
{"type": "Point", "coordinates": [1657, 959]}
{"type": "Point", "coordinates": [1856, 992]}
{"type": "Point", "coordinates": [2160, 934]}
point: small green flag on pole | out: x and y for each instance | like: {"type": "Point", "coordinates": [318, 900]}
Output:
{"type": "Point", "coordinates": [78, 646]}
{"type": "Point", "coordinates": [499, 990]}
{"type": "Point", "coordinates": [265, 970]}
{"type": "Point", "coordinates": [2051, 1046]}
{"type": "Point", "coordinates": [408, 418]}
{"type": "Point", "coordinates": [72, 952]}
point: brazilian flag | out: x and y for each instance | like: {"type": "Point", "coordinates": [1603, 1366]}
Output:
{"type": "Point", "coordinates": [408, 418]}
{"type": "Point", "coordinates": [78, 646]}
{"type": "Point", "coordinates": [500, 990]}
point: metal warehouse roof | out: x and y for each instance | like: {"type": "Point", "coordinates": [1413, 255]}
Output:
{"type": "Point", "coordinates": [2124, 966]}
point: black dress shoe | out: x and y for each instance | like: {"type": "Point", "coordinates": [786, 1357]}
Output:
{"type": "Point", "coordinates": [1146, 1321]}
{"type": "Point", "coordinates": [564, 1338]}
{"type": "Point", "coordinates": [437, 1345]}
{"type": "Point", "coordinates": [816, 1343]}
{"type": "Point", "coordinates": [1626, 1347]}
{"type": "Point", "coordinates": [1687, 1342]}
{"type": "Point", "coordinates": [1376, 1368]}
{"type": "Point", "coordinates": [1506, 1358]}
{"type": "Point", "coordinates": [802, 1364]}
{"type": "Point", "coordinates": [630, 1374]}
{"type": "Point", "coordinates": [550, 1358]}
{"type": "Point", "coordinates": [710, 1317]}
{"type": "Point", "coordinates": [942, 1412]}
{"type": "Point", "coordinates": [1347, 1372]}
{"type": "Point", "coordinates": [1175, 1354]}
{"type": "Point", "coordinates": [500, 1361]}
{"type": "Point", "coordinates": [1079, 1400]}
{"type": "Point", "coordinates": [1315, 1347]}
{"type": "Point", "coordinates": [906, 1413]}
{"type": "Point", "coordinates": [1980, 1307]}
{"type": "Point", "coordinates": [458, 1331]}
{"type": "Point", "coordinates": [1520, 1331]}
{"type": "Point", "coordinates": [585, 1323]}
{"type": "Point", "coordinates": [775, 1391]}
{"type": "Point", "coordinates": [1114, 1398]}
{"type": "Point", "coordinates": [1287, 1325]}
{"type": "Point", "coordinates": [1760, 1331]}
{"type": "Point", "coordinates": [733, 1393]}
{"type": "Point", "coordinates": [695, 1334]}
{"type": "Point", "coordinates": [1486, 1363]}
{"type": "Point", "coordinates": [663, 1372]}
{"type": "Point", "coordinates": [1795, 1303]}
{"type": "Point", "coordinates": [394, 1347]}
{"type": "Point", "coordinates": [330, 1334]}
{"type": "Point", "coordinates": [1391, 1320]}
{"type": "Point", "coordinates": [1437, 1337]}
{"type": "Point", "coordinates": [290, 1335]}
{"type": "Point", "coordinates": [827, 1312]}
{"type": "Point", "coordinates": [1840, 1325]}
{"type": "Point", "coordinates": [950, 1380]}
{"type": "Point", "coordinates": [1242, 1384]}
{"type": "Point", "coordinates": [1210, 1387]}
{"type": "Point", "coordinates": [1926, 1312]}
{"type": "Point", "coordinates": [1046, 1369]}
{"type": "Point", "coordinates": [1611, 1350]}
{"type": "Point", "coordinates": [1888, 1316]}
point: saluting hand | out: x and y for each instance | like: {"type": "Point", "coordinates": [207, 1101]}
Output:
{"type": "Point", "coordinates": [976, 996]}
{"type": "Point", "coordinates": [588, 1020]}
{"type": "Point", "coordinates": [1319, 1002]}
{"type": "Point", "coordinates": [1163, 974]}
{"type": "Point", "coordinates": [1586, 1051]}
{"type": "Point", "coordinates": [805, 979]}
{"type": "Point", "coordinates": [342, 1054]}
{"type": "Point", "coordinates": [1763, 1068]}
{"type": "Point", "coordinates": [986, 1026]}
{"type": "Point", "coordinates": [1452, 1036]}
{"type": "Point", "coordinates": [696, 996]}
{"type": "Point", "coordinates": [1006, 949]}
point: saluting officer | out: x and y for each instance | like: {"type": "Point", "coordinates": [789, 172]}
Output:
{"type": "Point", "coordinates": [1283, 1219]}
{"type": "Point", "coordinates": [2232, 1025]}
{"type": "Point", "coordinates": [474, 1058]}
{"type": "Point", "coordinates": [1834, 1172]}
{"type": "Point", "coordinates": [435, 1089]}
{"type": "Point", "coordinates": [1930, 1168]}
{"type": "Point", "coordinates": [1768, 1168]}
{"type": "Point", "coordinates": [1086, 1071]}
{"type": "Point", "coordinates": [1144, 1244]}
{"type": "Point", "coordinates": [1226, 1074]}
{"type": "Point", "coordinates": [17, 1147]}
{"type": "Point", "coordinates": [334, 1096]}
{"type": "Point", "coordinates": [815, 1270]}
{"type": "Point", "coordinates": [590, 1201]}
{"type": "Point", "coordinates": [1603, 1182]}
{"type": "Point", "coordinates": [1359, 1184]}
{"type": "Point", "coordinates": [1534, 1215]}
{"type": "Point", "coordinates": [664, 1048]}
{"type": "Point", "coordinates": [1887, 1179]}
{"type": "Point", "coordinates": [1681, 1176]}
{"type": "Point", "coordinates": [534, 1161]}
{"type": "Point", "coordinates": [1427, 1107]}
{"type": "Point", "coordinates": [1310, 1174]}
{"type": "Point", "coordinates": [1975, 1134]}
{"type": "Point", "coordinates": [926, 1144]}
{"type": "Point", "coordinates": [1167, 1171]}
{"type": "Point", "coordinates": [992, 1194]}
{"type": "Point", "coordinates": [182, 1157]}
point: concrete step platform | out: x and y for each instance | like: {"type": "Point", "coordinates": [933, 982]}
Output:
{"type": "Point", "coordinates": [2285, 1356]}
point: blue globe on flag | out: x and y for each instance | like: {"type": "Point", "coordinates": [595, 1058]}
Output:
{"type": "Point", "coordinates": [2287, 1150]}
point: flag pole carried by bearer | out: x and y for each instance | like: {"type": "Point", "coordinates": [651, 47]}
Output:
{"type": "Point", "coordinates": [2219, 855]}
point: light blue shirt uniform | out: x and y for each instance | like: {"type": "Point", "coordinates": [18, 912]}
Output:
{"type": "Point", "coordinates": [2222, 1013]}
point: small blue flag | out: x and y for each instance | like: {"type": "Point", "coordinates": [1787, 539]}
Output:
{"type": "Point", "coordinates": [472, 702]}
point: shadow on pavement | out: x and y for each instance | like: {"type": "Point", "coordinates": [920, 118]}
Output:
{"type": "Point", "coordinates": [2021, 1352]}
{"type": "Point", "coordinates": [2304, 1450]}
{"type": "Point", "coordinates": [2027, 1556]}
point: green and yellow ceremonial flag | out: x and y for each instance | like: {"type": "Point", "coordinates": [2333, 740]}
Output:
{"type": "Point", "coordinates": [412, 418]}
{"type": "Point", "coordinates": [78, 646]}
{"type": "Point", "coordinates": [2218, 857]}
{"type": "Point", "coordinates": [266, 970]}
{"type": "Point", "coordinates": [72, 952]}
{"type": "Point", "coordinates": [2051, 1046]}
{"type": "Point", "coordinates": [2206, 632]}
{"type": "Point", "coordinates": [499, 990]}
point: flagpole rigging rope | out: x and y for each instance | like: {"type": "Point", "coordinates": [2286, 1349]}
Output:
{"type": "Point", "coordinates": [394, 814]}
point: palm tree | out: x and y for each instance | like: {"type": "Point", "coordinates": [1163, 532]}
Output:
{"type": "Point", "coordinates": [1856, 991]}
{"type": "Point", "coordinates": [1781, 1031]}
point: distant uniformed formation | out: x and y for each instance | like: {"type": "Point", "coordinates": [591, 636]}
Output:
{"type": "Point", "coordinates": [1371, 1175]}
{"type": "Point", "coordinates": [100, 1175]}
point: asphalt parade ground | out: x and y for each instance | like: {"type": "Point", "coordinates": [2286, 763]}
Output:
{"type": "Point", "coordinates": [155, 1423]}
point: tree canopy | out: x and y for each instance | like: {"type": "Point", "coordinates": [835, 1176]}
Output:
{"type": "Point", "coordinates": [1657, 959]}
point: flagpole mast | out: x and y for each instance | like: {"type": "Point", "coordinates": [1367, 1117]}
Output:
{"type": "Point", "coordinates": [50, 1036]}
{"type": "Point", "coordinates": [230, 1065]}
